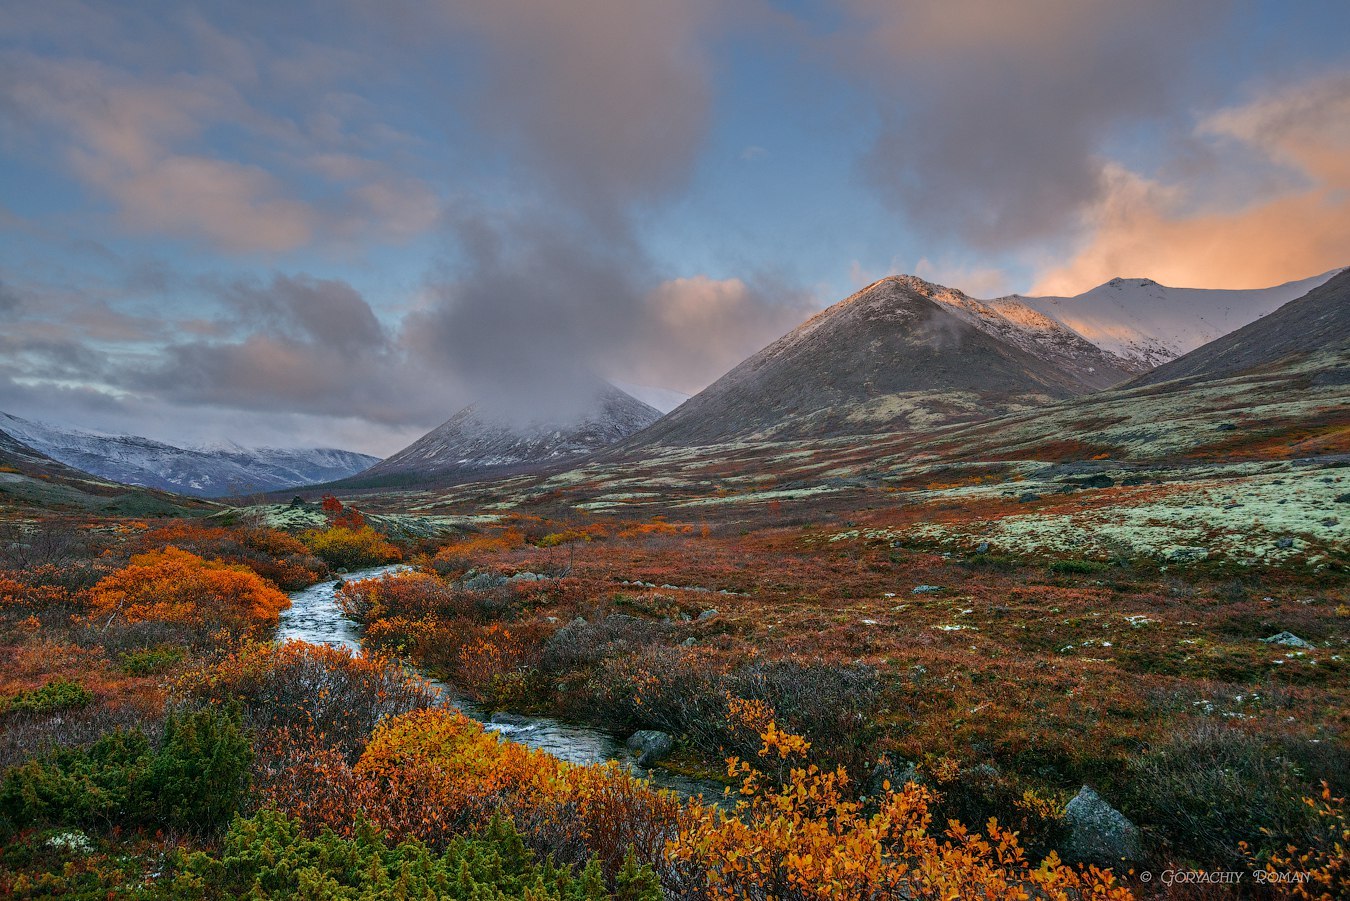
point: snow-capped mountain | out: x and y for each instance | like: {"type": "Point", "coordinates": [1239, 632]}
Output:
{"type": "Point", "coordinates": [218, 470]}
{"type": "Point", "coordinates": [1143, 324]}
{"type": "Point", "coordinates": [478, 439]}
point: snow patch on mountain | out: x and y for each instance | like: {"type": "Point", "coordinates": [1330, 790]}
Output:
{"type": "Point", "coordinates": [217, 470]}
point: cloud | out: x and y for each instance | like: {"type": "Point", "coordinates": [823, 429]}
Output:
{"type": "Point", "coordinates": [1294, 224]}
{"type": "Point", "coordinates": [994, 115]}
{"type": "Point", "coordinates": [148, 143]}
{"type": "Point", "coordinates": [697, 328]}
{"type": "Point", "coordinates": [606, 100]}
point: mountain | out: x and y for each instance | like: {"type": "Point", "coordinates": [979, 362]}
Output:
{"type": "Point", "coordinates": [479, 439]}
{"type": "Point", "coordinates": [901, 352]}
{"type": "Point", "coordinates": [1141, 324]}
{"type": "Point", "coordinates": [214, 471]}
{"type": "Point", "coordinates": [31, 480]}
{"type": "Point", "coordinates": [1312, 331]}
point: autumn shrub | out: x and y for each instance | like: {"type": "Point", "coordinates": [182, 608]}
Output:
{"type": "Point", "coordinates": [336, 695]}
{"type": "Point", "coordinates": [176, 586]}
{"type": "Point", "coordinates": [195, 779]}
{"type": "Point", "coordinates": [271, 553]}
{"type": "Point", "coordinates": [58, 694]}
{"type": "Point", "coordinates": [1205, 791]}
{"type": "Point", "coordinates": [269, 857]}
{"type": "Point", "coordinates": [688, 693]}
{"type": "Point", "coordinates": [350, 548]}
{"type": "Point", "coordinates": [457, 556]}
{"type": "Point", "coordinates": [806, 840]}
{"type": "Point", "coordinates": [1323, 863]}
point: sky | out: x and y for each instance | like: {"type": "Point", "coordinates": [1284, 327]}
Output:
{"type": "Point", "coordinates": [336, 223]}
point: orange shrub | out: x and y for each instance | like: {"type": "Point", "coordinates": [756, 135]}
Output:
{"type": "Point", "coordinates": [806, 840]}
{"type": "Point", "coordinates": [172, 585]}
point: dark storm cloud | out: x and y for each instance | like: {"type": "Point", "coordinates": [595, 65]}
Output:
{"type": "Point", "coordinates": [994, 114]}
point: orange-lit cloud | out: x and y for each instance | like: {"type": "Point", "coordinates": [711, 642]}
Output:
{"type": "Point", "coordinates": [1296, 223]}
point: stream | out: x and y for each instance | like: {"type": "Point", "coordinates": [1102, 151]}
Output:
{"type": "Point", "coordinates": [316, 617]}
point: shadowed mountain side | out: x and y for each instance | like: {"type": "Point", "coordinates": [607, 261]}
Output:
{"type": "Point", "coordinates": [1318, 323]}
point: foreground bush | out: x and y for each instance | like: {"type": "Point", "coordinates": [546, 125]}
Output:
{"type": "Point", "coordinates": [269, 857]}
{"type": "Point", "coordinates": [176, 586]}
{"type": "Point", "coordinates": [805, 841]}
{"type": "Point", "coordinates": [1206, 792]}
{"type": "Point", "coordinates": [434, 774]}
{"type": "Point", "coordinates": [326, 692]}
{"type": "Point", "coordinates": [194, 781]}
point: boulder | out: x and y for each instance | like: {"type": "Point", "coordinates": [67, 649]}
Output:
{"type": "Point", "coordinates": [650, 745]}
{"type": "Point", "coordinates": [527, 577]}
{"type": "Point", "coordinates": [1098, 833]}
{"type": "Point", "coordinates": [483, 582]}
{"type": "Point", "coordinates": [1289, 640]}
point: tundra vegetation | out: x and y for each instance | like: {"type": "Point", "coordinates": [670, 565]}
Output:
{"type": "Point", "coordinates": [893, 715]}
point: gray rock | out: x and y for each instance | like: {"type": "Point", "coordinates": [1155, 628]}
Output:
{"type": "Point", "coordinates": [983, 548]}
{"type": "Point", "coordinates": [650, 745]}
{"type": "Point", "coordinates": [527, 577]}
{"type": "Point", "coordinates": [707, 615]}
{"type": "Point", "coordinates": [483, 582]}
{"type": "Point", "coordinates": [1027, 497]}
{"type": "Point", "coordinates": [508, 719]}
{"type": "Point", "coordinates": [1098, 833]}
{"type": "Point", "coordinates": [1188, 554]}
{"type": "Point", "coordinates": [1289, 640]}
{"type": "Point", "coordinates": [1284, 543]}
{"type": "Point", "coordinates": [1226, 427]}
{"type": "Point", "coordinates": [899, 773]}
{"type": "Point", "coordinates": [689, 642]}
{"type": "Point", "coordinates": [926, 589]}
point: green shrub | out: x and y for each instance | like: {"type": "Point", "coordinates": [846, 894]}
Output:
{"type": "Point", "coordinates": [200, 775]}
{"type": "Point", "coordinates": [1078, 567]}
{"type": "Point", "coordinates": [60, 694]}
{"type": "Point", "coordinates": [195, 780]}
{"type": "Point", "coordinates": [152, 661]}
{"type": "Point", "coordinates": [267, 856]}
{"type": "Point", "coordinates": [95, 787]}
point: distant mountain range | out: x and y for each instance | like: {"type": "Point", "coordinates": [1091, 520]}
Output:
{"type": "Point", "coordinates": [219, 470]}
{"type": "Point", "coordinates": [480, 439]}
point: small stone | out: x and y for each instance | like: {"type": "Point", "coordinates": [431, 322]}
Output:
{"type": "Point", "coordinates": [983, 548]}
{"type": "Point", "coordinates": [1284, 543]}
{"type": "Point", "coordinates": [1027, 497]}
{"type": "Point", "coordinates": [707, 615]}
{"type": "Point", "coordinates": [926, 589]}
{"type": "Point", "coordinates": [1226, 427]}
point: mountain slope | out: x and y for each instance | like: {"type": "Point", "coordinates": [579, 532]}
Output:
{"type": "Point", "coordinates": [33, 481]}
{"type": "Point", "coordinates": [202, 472]}
{"type": "Point", "coordinates": [893, 355]}
{"type": "Point", "coordinates": [1143, 324]}
{"type": "Point", "coordinates": [1316, 325]}
{"type": "Point", "coordinates": [479, 439]}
